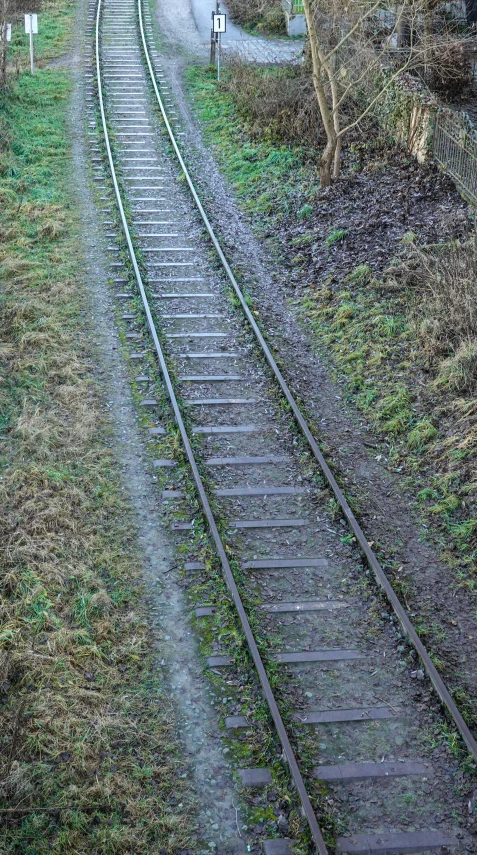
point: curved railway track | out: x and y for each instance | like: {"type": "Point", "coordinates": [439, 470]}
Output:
{"type": "Point", "coordinates": [223, 389]}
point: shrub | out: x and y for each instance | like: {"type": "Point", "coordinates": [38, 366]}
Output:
{"type": "Point", "coordinates": [459, 371]}
{"type": "Point", "coordinates": [449, 67]}
{"type": "Point", "coordinates": [280, 103]}
{"type": "Point", "coordinates": [267, 15]}
{"type": "Point", "coordinates": [274, 21]}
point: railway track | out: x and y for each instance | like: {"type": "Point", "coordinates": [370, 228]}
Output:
{"type": "Point", "coordinates": [356, 707]}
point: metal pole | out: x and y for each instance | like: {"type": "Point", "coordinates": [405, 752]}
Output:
{"type": "Point", "coordinates": [217, 9]}
{"type": "Point", "coordinates": [31, 43]}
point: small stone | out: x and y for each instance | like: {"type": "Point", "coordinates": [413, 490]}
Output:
{"type": "Point", "coordinates": [417, 675]}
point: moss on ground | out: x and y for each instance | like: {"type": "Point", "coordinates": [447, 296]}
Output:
{"type": "Point", "coordinates": [89, 761]}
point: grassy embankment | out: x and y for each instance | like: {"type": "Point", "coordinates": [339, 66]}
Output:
{"type": "Point", "coordinates": [88, 759]}
{"type": "Point", "coordinates": [379, 337]}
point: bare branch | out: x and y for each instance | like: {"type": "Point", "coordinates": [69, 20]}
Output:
{"type": "Point", "coordinates": [375, 100]}
{"type": "Point", "coordinates": [353, 30]}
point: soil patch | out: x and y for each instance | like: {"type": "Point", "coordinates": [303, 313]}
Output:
{"type": "Point", "coordinates": [364, 219]}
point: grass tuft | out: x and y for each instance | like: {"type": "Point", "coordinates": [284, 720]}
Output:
{"type": "Point", "coordinates": [459, 371]}
{"type": "Point", "coordinates": [336, 236]}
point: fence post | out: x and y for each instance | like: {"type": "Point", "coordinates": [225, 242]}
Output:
{"type": "Point", "coordinates": [435, 134]}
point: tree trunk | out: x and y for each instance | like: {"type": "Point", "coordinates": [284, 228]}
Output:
{"type": "Point", "coordinates": [471, 12]}
{"type": "Point", "coordinates": [3, 57]}
{"type": "Point", "coordinates": [3, 45]}
{"type": "Point", "coordinates": [336, 116]}
{"type": "Point", "coordinates": [404, 30]}
{"type": "Point", "coordinates": [337, 160]}
{"type": "Point", "coordinates": [329, 121]}
{"type": "Point", "coordinates": [326, 162]}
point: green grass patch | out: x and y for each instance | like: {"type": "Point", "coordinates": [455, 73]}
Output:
{"type": "Point", "coordinates": [336, 236]}
{"type": "Point", "coordinates": [361, 275]}
{"type": "Point", "coordinates": [371, 340]}
{"type": "Point", "coordinates": [87, 749]}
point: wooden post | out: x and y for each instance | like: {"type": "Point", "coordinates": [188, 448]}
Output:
{"type": "Point", "coordinates": [212, 47]}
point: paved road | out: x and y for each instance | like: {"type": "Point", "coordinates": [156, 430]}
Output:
{"type": "Point", "coordinates": [202, 10]}
{"type": "Point", "coordinates": [235, 39]}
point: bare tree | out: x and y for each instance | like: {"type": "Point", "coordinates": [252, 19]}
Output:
{"type": "Point", "coordinates": [354, 45]}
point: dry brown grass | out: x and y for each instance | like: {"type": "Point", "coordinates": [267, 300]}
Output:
{"type": "Point", "coordinates": [444, 277]}
{"type": "Point", "coordinates": [73, 635]}
{"type": "Point", "coordinates": [278, 102]}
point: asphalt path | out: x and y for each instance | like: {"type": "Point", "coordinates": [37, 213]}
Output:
{"type": "Point", "coordinates": [202, 14]}
{"type": "Point", "coordinates": [253, 48]}
{"type": "Point", "coordinates": [188, 23]}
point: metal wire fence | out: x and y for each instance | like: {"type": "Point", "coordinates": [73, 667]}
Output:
{"type": "Point", "coordinates": [455, 150]}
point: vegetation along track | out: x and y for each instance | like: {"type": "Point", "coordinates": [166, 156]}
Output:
{"type": "Point", "coordinates": [358, 715]}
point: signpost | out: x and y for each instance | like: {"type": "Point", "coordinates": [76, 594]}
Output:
{"type": "Point", "coordinates": [31, 27]}
{"type": "Point", "coordinates": [219, 26]}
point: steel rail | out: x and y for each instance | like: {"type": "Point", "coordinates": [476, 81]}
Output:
{"type": "Point", "coordinates": [227, 571]}
{"type": "Point", "coordinates": [383, 581]}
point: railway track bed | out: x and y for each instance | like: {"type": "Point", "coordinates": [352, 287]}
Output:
{"type": "Point", "coordinates": [349, 699]}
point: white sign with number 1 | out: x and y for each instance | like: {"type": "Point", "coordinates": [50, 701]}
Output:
{"type": "Point", "coordinates": [220, 23]}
